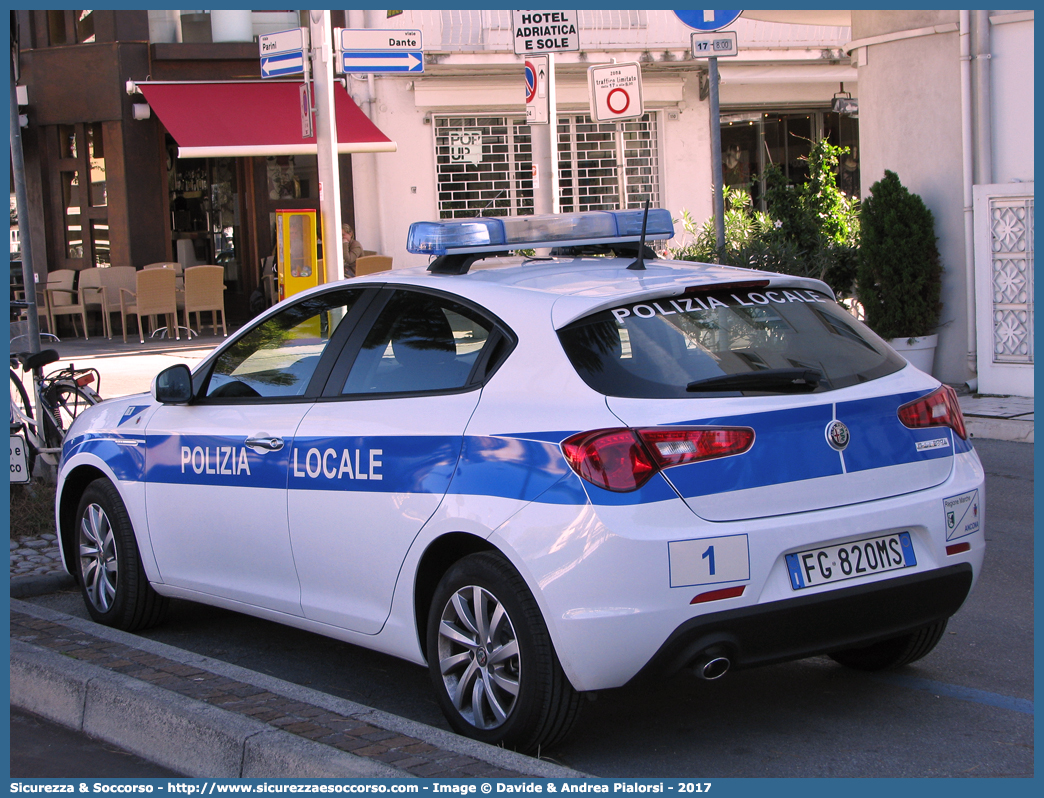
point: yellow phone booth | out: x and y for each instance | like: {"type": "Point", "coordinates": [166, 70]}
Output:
{"type": "Point", "coordinates": [297, 255]}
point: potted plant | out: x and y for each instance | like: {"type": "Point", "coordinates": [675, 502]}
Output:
{"type": "Point", "coordinates": [899, 275]}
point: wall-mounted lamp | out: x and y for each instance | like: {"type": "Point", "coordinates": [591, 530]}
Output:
{"type": "Point", "coordinates": [141, 111]}
{"type": "Point", "coordinates": [845, 104]}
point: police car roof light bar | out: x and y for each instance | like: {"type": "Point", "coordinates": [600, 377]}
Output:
{"type": "Point", "coordinates": [491, 236]}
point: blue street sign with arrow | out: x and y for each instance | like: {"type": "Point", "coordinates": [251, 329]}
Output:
{"type": "Point", "coordinates": [282, 64]}
{"type": "Point", "coordinates": [382, 61]}
{"type": "Point", "coordinates": [708, 20]}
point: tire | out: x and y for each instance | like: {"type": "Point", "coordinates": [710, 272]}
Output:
{"type": "Point", "coordinates": [113, 583]}
{"type": "Point", "coordinates": [511, 689]}
{"type": "Point", "coordinates": [20, 399]}
{"type": "Point", "coordinates": [67, 400]}
{"type": "Point", "coordinates": [893, 653]}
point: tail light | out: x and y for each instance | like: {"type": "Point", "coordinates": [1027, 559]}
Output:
{"type": "Point", "coordinates": [624, 459]}
{"type": "Point", "coordinates": [85, 379]}
{"type": "Point", "coordinates": [938, 409]}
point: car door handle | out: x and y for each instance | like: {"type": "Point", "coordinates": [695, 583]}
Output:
{"type": "Point", "coordinates": [265, 442]}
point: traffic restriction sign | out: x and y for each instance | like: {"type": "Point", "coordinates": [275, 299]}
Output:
{"type": "Point", "coordinates": [537, 95]}
{"type": "Point", "coordinates": [616, 91]}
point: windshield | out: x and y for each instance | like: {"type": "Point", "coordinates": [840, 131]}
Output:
{"type": "Point", "coordinates": [776, 340]}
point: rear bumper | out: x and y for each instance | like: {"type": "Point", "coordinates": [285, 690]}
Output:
{"type": "Point", "coordinates": [803, 627]}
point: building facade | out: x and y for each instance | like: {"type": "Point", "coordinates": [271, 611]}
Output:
{"type": "Point", "coordinates": [143, 202]}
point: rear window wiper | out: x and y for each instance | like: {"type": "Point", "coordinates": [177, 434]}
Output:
{"type": "Point", "coordinates": [774, 380]}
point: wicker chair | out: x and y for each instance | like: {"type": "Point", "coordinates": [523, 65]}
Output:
{"type": "Point", "coordinates": [154, 295]}
{"type": "Point", "coordinates": [205, 290]}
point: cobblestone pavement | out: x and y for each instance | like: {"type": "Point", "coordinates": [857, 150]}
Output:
{"type": "Point", "coordinates": [36, 557]}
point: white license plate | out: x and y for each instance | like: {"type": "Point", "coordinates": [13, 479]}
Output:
{"type": "Point", "coordinates": [851, 560]}
{"type": "Point", "coordinates": [19, 460]}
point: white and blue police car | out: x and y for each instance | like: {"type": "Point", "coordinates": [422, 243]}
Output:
{"type": "Point", "coordinates": [541, 476]}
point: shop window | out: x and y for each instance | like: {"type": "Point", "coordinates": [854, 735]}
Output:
{"type": "Point", "coordinates": [485, 165]}
{"type": "Point", "coordinates": [753, 140]}
{"type": "Point", "coordinates": [607, 165]}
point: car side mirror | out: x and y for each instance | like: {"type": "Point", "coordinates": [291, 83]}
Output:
{"type": "Point", "coordinates": [173, 385]}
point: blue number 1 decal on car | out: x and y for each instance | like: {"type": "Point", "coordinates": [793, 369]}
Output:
{"type": "Point", "coordinates": [709, 555]}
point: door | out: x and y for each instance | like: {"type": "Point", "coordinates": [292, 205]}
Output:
{"type": "Point", "coordinates": [216, 470]}
{"type": "Point", "coordinates": [373, 459]}
{"type": "Point", "coordinates": [1004, 295]}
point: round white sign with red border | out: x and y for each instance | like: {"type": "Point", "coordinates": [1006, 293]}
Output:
{"type": "Point", "coordinates": [616, 91]}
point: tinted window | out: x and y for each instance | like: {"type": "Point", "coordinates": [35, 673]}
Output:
{"type": "Point", "coordinates": [654, 349]}
{"type": "Point", "coordinates": [419, 343]}
{"type": "Point", "coordinates": [279, 356]}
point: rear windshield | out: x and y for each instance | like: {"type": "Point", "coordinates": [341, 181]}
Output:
{"type": "Point", "coordinates": [654, 349]}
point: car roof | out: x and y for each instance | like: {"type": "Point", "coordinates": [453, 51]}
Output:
{"type": "Point", "coordinates": [575, 287]}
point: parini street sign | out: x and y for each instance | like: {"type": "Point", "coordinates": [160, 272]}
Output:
{"type": "Point", "coordinates": [282, 53]}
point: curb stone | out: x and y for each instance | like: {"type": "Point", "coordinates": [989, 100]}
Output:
{"type": "Point", "coordinates": [82, 675]}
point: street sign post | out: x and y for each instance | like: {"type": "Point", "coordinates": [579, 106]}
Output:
{"type": "Point", "coordinates": [616, 91]}
{"type": "Point", "coordinates": [282, 53]}
{"type": "Point", "coordinates": [713, 21]}
{"type": "Point", "coordinates": [370, 50]}
{"type": "Point", "coordinates": [545, 32]}
{"type": "Point", "coordinates": [537, 95]}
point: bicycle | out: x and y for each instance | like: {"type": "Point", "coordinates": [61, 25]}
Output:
{"type": "Point", "coordinates": [62, 396]}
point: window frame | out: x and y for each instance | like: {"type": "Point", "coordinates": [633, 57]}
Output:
{"type": "Point", "coordinates": [482, 371]}
{"type": "Point", "coordinates": [331, 352]}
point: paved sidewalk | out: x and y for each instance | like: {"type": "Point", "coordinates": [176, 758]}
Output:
{"type": "Point", "coordinates": [220, 720]}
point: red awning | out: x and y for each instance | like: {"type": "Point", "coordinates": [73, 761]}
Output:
{"type": "Point", "coordinates": [212, 120]}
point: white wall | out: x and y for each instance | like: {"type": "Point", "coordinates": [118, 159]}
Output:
{"type": "Point", "coordinates": [1011, 82]}
{"type": "Point", "coordinates": [910, 123]}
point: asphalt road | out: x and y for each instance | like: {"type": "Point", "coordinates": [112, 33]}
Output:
{"type": "Point", "coordinates": [41, 749]}
{"type": "Point", "coordinates": [964, 711]}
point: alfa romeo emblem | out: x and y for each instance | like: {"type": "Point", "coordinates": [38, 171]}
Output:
{"type": "Point", "coordinates": [837, 435]}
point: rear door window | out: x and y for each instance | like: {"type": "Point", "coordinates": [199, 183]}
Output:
{"type": "Point", "coordinates": [656, 348]}
{"type": "Point", "coordinates": [419, 343]}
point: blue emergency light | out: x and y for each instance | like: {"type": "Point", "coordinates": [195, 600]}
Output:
{"type": "Point", "coordinates": [505, 233]}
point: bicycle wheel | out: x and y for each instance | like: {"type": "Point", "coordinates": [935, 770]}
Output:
{"type": "Point", "coordinates": [66, 401]}
{"type": "Point", "coordinates": [20, 403]}
{"type": "Point", "coordinates": [19, 399]}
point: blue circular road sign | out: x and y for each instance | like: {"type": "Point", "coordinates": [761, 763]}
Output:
{"type": "Point", "coordinates": [708, 20]}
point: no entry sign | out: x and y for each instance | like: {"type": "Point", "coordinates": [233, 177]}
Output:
{"type": "Point", "coordinates": [616, 91]}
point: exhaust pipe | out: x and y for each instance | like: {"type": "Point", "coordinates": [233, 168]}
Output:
{"type": "Point", "coordinates": [711, 668]}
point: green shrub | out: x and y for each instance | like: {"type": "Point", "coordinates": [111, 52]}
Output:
{"type": "Point", "coordinates": [899, 273]}
{"type": "Point", "coordinates": [810, 230]}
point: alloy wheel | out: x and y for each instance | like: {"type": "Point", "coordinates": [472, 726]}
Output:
{"type": "Point", "coordinates": [99, 565]}
{"type": "Point", "coordinates": [479, 657]}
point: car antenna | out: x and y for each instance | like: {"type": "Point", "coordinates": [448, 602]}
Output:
{"type": "Point", "coordinates": [639, 262]}
{"type": "Point", "coordinates": [485, 207]}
